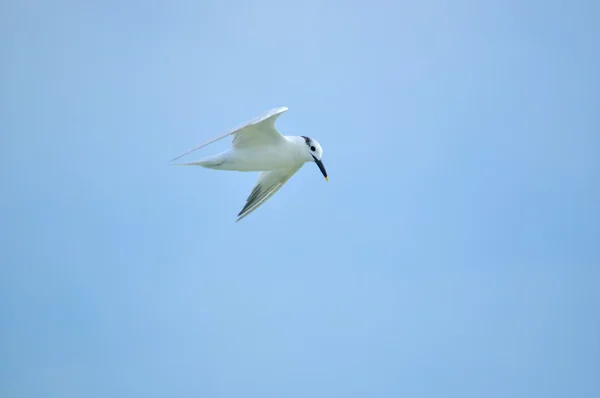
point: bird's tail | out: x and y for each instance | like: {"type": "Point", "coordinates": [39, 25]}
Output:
{"type": "Point", "coordinates": [212, 162]}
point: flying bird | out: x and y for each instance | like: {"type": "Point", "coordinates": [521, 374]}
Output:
{"type": "Point", "coordinates": [258, 146]}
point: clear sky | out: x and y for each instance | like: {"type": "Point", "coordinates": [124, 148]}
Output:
{"type": "Point", "coordinates": [455, 250]}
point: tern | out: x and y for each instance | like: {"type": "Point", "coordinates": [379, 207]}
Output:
{"type": "Point", "coordinates": [258, 146]}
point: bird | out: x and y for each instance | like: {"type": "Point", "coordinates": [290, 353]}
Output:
{"type": "Point", "coordinates": [258, 146]}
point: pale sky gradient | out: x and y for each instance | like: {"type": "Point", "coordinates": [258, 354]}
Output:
{"type": "Point", "coordinates": [455, 251]}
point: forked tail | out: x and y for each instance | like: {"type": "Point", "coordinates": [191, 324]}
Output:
{"type": "Point", "coordinates": [212, 162]}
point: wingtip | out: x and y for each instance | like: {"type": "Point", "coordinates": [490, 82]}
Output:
{"type": "Point", "coordinates": [277, 110]}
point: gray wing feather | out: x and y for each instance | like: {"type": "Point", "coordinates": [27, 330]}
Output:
{"type": "Point", "coordinates": [269, 182]}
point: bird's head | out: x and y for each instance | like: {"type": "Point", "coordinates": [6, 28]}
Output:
{"type": "Point", "coordinates": [315, 152]}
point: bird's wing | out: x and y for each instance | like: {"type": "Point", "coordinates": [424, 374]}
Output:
{"type": "Point", "coordinates": [267, 184]}
{"type": "Point", "coordinates": [259, 131]}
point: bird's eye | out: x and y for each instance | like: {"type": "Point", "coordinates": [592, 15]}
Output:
{"type": "Point", "coordinates": [312, 148]}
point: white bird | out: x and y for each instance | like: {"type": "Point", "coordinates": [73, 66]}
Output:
{"type": "Point", "coordinates": [258, 146]}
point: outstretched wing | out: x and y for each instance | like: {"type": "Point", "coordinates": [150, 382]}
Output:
{"type": "Point", "coordinates": [268, 183]}
{"type": "Point", "coordinates": [259, 131]}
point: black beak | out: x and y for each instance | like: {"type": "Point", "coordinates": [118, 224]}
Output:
{"type": "Point", "coordinates": [321, 167]}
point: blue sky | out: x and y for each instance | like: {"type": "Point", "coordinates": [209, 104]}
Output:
{"type": "Point", "coordinates": [454, 251]}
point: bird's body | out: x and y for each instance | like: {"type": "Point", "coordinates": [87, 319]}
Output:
{"type": "Point", "coordinates": [285, 154]}
{"type": "Point", "coordinates": [258, 146]}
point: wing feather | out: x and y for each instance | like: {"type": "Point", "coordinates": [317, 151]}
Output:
{"type": "Point", "coordinates": [258, 131]}
{"type": "Point", "coordinates": [268, 183]}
